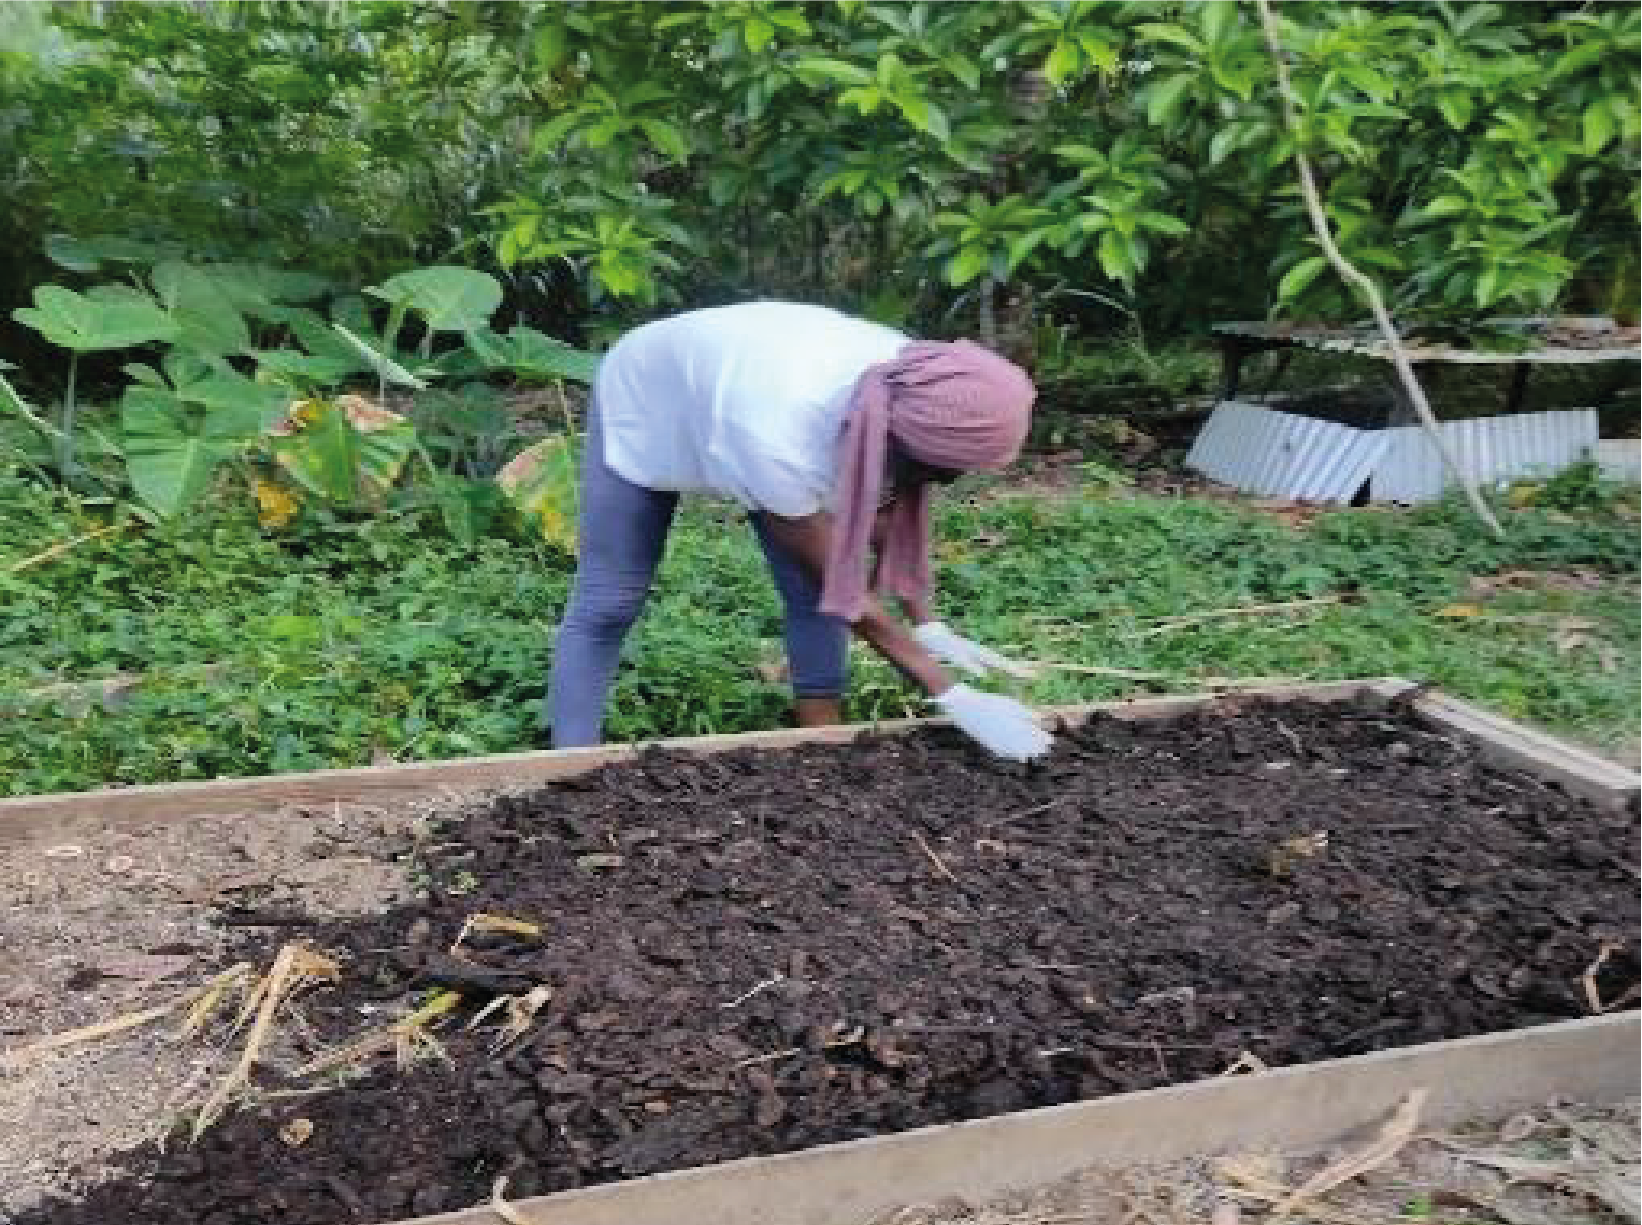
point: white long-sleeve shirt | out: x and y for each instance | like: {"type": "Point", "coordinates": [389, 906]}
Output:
{"type": "Point", "coordinates": [744, 401]}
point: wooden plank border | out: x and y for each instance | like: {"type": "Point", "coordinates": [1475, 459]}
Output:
{"type": "Point", "coordinates": [29, 815]}
{"type": "Point", "coordinates": [1593, 1059]}
{"type": "Point", "coordinates": [1490, 1076]}
{"type": "Point", "coordinates": [1504, 741]}
{"type": "Point", "coordinates": [1527, 748]}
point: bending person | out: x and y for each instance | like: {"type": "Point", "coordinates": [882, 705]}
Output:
{"type": "Point", "coordinates": [830, 430]}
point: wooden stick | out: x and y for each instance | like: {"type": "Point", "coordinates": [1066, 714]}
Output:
{"type": "Point", "coordinates": [501, 1207]}
{"type": "Point", "coordinates": [57, 550]}
{"type": "Point", "coordinates": [940, 864]}
{"type": "Point", "coordinates": [1167, 625]}
{"type": "Point", "coordinates": [1593, 995]}
{"type": "Point", "coordinates": [15, 1059]}
{"type": "Point", "coordinates": [1398, 1130]}
{"type": "Point", "coordinates": [788, 1053]}
{"type": "Point", "coordinates": [1213, 682]}
{"type": "Point", "coordinates": [1361, 281]}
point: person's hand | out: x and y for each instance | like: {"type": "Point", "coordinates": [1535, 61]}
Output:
{"type": "Point", "coordinates": [956, 651]}
{"type": "Point", "coordinates": [999, 724]}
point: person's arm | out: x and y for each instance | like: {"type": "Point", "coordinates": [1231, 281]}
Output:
{"type": "Point", "coordinates": [1000, 724]}
{"type": "Point", "coordinates": [808, 539]}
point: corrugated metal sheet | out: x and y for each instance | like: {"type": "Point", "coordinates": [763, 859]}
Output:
{"type": "Point", "coordinates": [1620, 459]}
{"type": "Point", "coordinates": [1488, 449]}
{"type": "Point", "coordinates": [1285, 455]}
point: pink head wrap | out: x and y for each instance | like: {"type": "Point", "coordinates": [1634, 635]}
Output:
{"type": "Point", "coordinates": [951, 405]}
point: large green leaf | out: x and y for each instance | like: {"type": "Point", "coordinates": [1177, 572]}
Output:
{"type": "Point", "coordinates": [172, 451]}
{"type": "Point", "coordinates": [1599, 127]}
{"type": "Point", "coordinates": [467, 506]}
{"type": "Point", "coordinates": [322, 340]}
{"type": "Point", "coordinates": [1297, 278]}
{"type": "Point", "coordinates": [304, 368]}
{"type": "Point", "coordinates": [1165, 98]}
{"type": "Point", "coordinates": [966, 265]}
{"type": "Point", "coordinates": [385, 367]}
{"type": "Point", "coordinates": [84, 324]}
{"type": "Point", "coordinates": [1064, 59]}
{"type": "Point", "coordinates": [253, 284]}
{"type": "Point", "coordinates": [531, 354]}
{"type": "Point", "coordinates": [448, 299]}
{"type": "Point", "coordinates": [347, 451]}
{"type": "Point", "coordinates": [253, 407]}
{"type": "Point", "coordinates": [202, 303]}
{"type": "Point", "coordinates": [329, 359]}
{"type": "Point", "coordinates": [89, 254]}
{"type": "Point", "coordinates": [67, 251]}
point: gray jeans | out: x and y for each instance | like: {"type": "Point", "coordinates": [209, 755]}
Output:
{"type": "Point", "coordinates": [622, 533]}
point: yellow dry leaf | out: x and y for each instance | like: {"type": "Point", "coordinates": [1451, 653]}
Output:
{"type": "Point", "coordinates": [365, 416]}
{"type": "Point", "coordinates": [361, 413]}
{"type": "Point", "coordinates": [298, 415]}
{"type": "Point", "coordinates": [481, 922]}
{"type": "Point", "coordinates": [541, 483]}
{"type": "Point", "coordinates": [1459, 610]}
{"type": "Point", "coordinates": [276, 504]}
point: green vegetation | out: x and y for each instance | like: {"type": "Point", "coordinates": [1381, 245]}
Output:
{"type": "Point", "coordinates": [933, 163]}
{"type": "Point", "coordinates": [272, 294]}
{"type": "Point", "coordinates": [332, 642]}
{"type": "Point", "coordinates": [276, 421]}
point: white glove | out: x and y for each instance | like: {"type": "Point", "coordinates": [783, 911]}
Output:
{"type": "Point", "coordinates": [956, 651]}
{"type": "Point", "coordinates": [999, 724]}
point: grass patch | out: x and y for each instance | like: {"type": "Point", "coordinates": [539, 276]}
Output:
{"type": "Point", "coordinates": [339, 645]}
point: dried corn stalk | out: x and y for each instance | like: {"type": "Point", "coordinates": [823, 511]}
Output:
{"type": "Point", "coordinates": [521, 1014]}
{"type": "Point", "coordinates": [405, 1037]}
{"type": "Point", "coordinates": [296, 966]}
{"type": "Point", "coordinates": [201, 1005]}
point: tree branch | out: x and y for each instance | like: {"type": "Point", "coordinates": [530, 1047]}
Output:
{"type": "Point", "coordinates": [1360, 280]}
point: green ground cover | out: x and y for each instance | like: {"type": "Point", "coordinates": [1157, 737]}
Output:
{"type": "Point", "coordinates": [336, 645]}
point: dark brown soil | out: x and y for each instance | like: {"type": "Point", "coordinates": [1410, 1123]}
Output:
{"type": "Point", "coordinates": [752, 952]}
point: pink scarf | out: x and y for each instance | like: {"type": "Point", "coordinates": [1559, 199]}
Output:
{"type": "Point", "coordinates": [955, 406]}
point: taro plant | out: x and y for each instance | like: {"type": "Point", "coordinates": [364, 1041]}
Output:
{"type": "Point", "coordinates": [111, 317]}
{"type": "Point", "coordinates": [445, 299]}
{"type": "Point", "coordinates": [178, 428]}
{"type": "Point", "coordinates": [255, 386]}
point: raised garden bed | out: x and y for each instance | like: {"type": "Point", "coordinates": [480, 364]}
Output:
{"type": "Point", "coordinates": [747, 953]}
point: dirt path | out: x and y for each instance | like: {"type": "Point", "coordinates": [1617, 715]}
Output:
{"type": "Point", "coordinates": [98, 922]}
